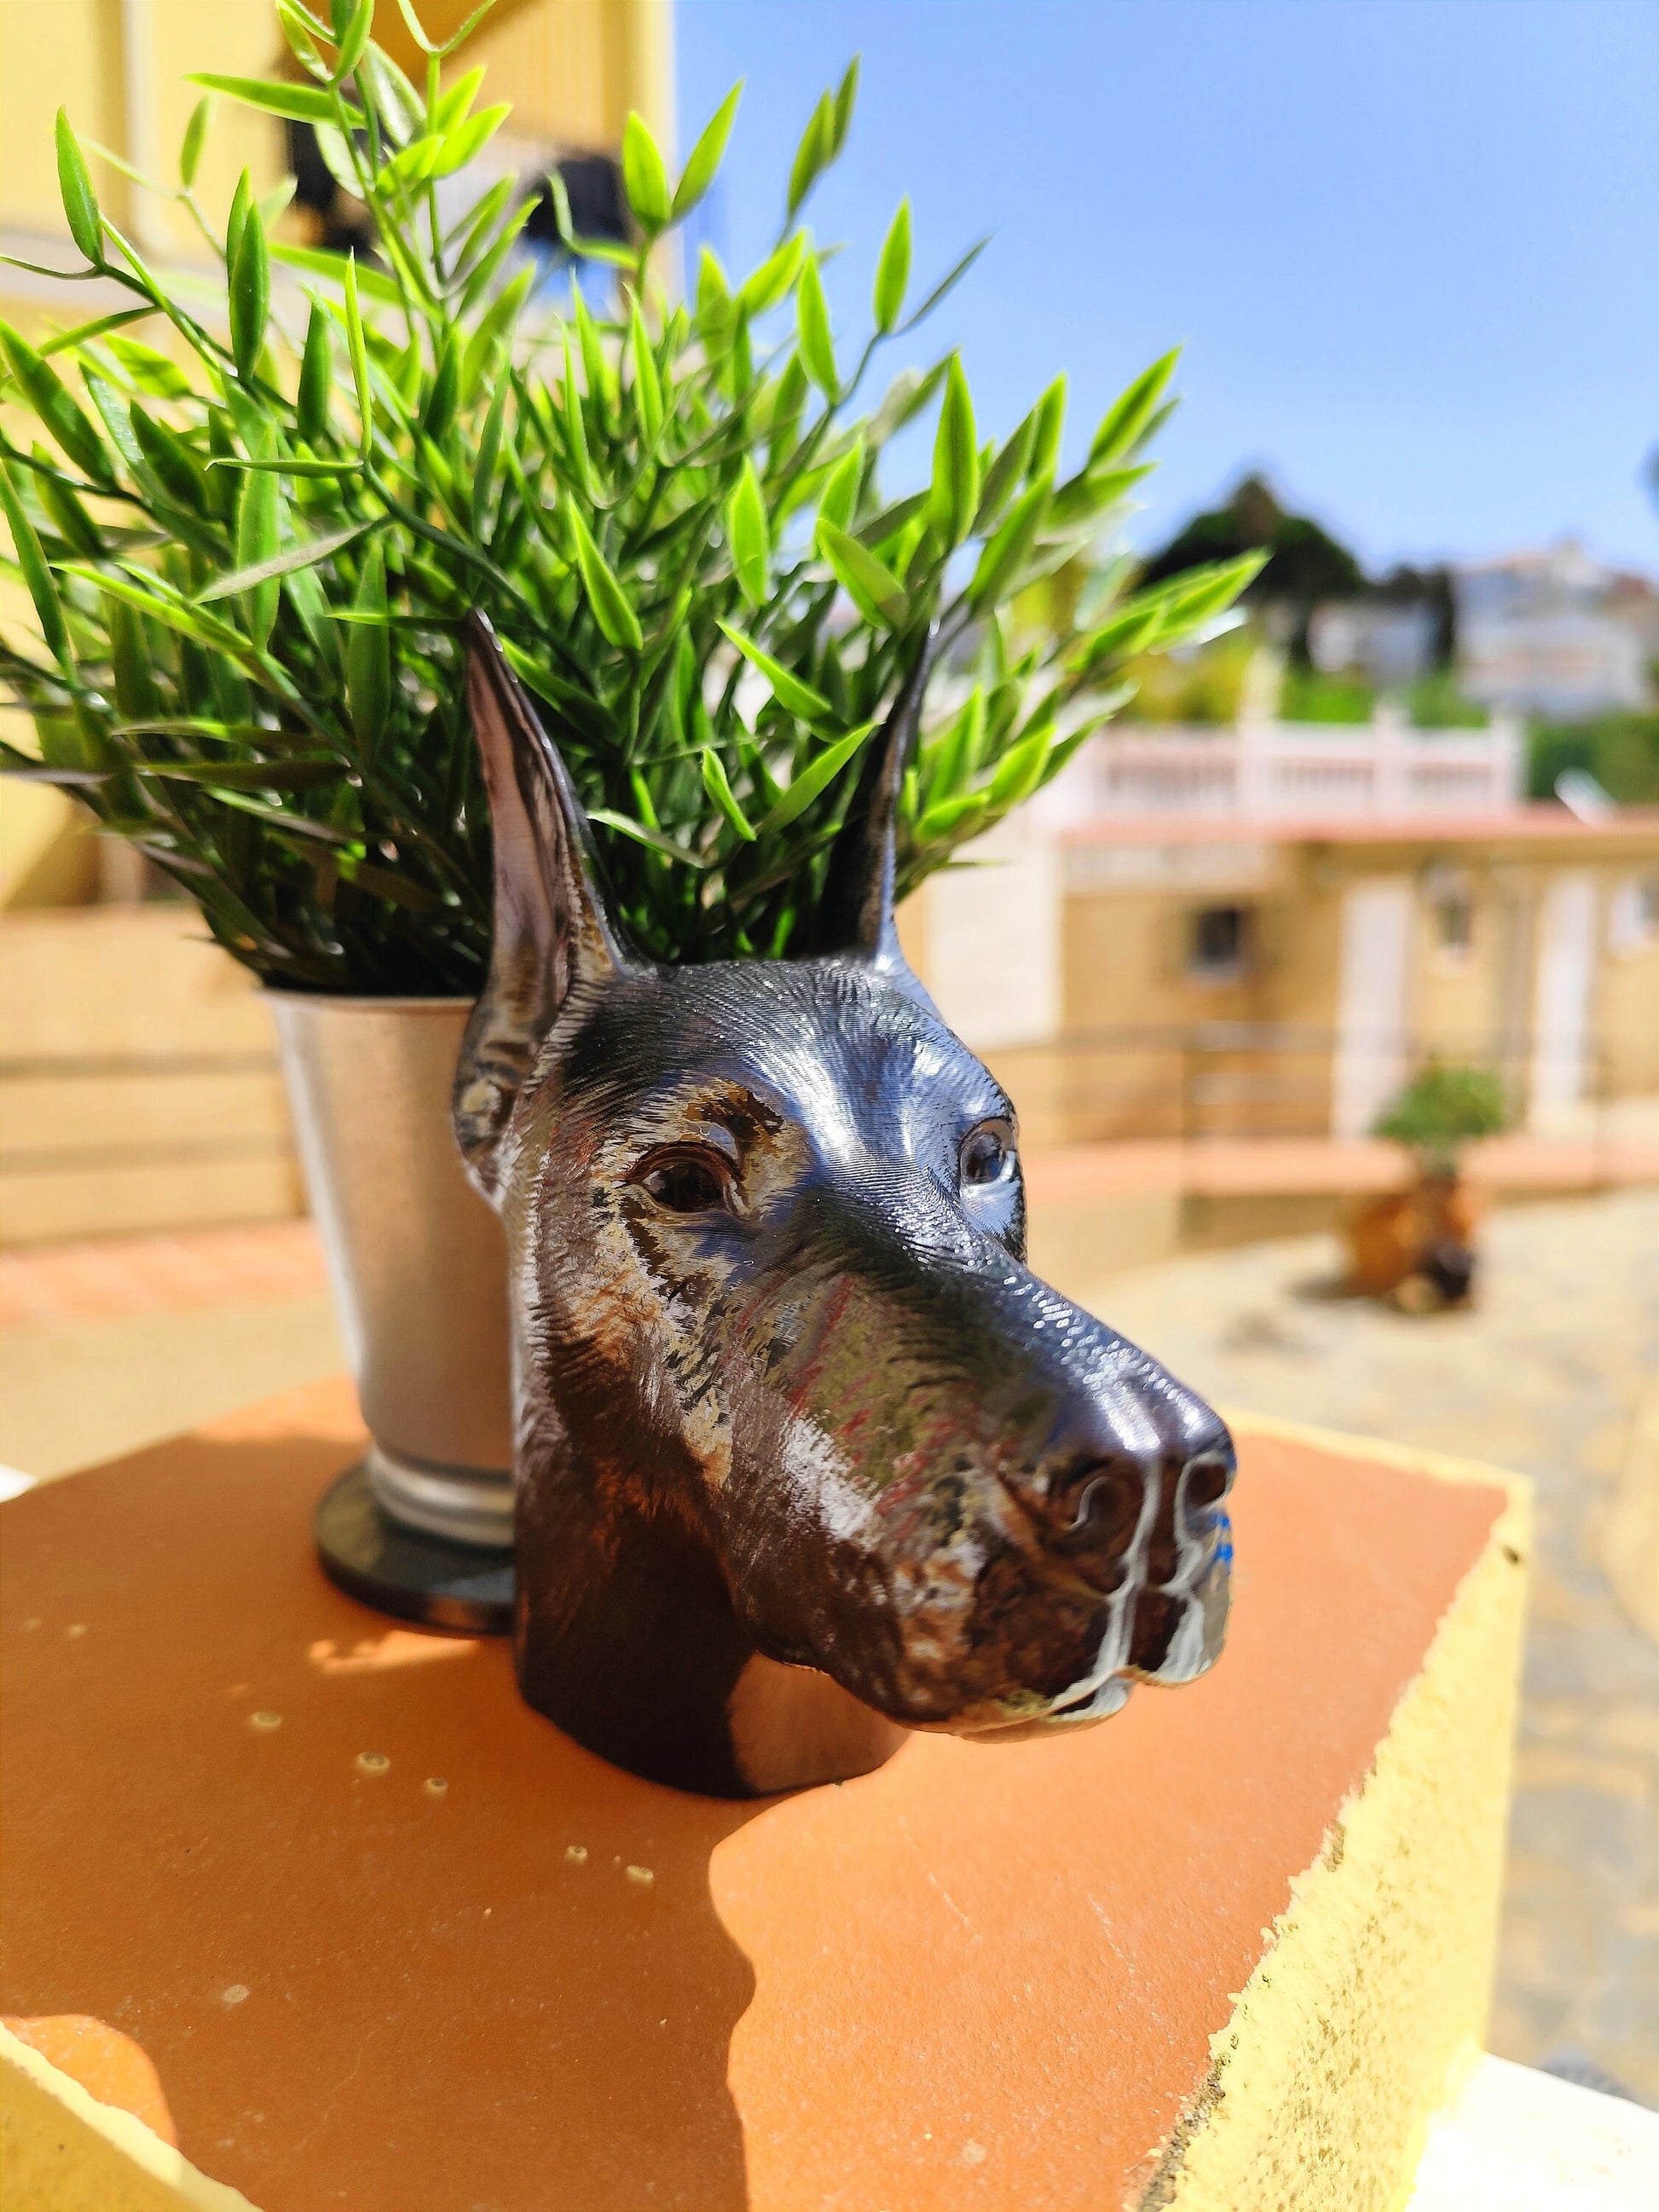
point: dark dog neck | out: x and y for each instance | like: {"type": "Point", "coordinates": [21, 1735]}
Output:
{"type": "Point", "coordinates": [633, 1647]}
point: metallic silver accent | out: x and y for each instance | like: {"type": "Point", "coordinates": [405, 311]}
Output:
{"type": "Point", "coordinates": [418, 1260]}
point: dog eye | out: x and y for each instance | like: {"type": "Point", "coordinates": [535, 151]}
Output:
{"type": "Point", "coordinates": [684, 1183]}
{"type": "Point", "coordinates": [985, 1154]}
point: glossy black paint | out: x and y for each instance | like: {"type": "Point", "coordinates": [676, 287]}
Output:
{"type": "Point", "coordinates": [805, 1453]}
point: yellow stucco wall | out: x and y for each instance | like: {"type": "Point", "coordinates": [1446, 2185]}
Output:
{"type": "Point", "coordinates": [572, 68]}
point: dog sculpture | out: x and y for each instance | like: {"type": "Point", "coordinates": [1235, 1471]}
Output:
{"type": "Point", "coordinates": [805, 1455]}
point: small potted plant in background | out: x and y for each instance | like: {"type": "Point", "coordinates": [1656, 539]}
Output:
{"type": "Point", "coordinates": [251, 534]}
{"type": "Point", "coordinates": [1418, 1246]}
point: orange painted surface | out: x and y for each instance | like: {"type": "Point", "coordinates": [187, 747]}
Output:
{"type": "Point", "coordinates": [981, 1977]}
{"type": "Point", "coordinates": [107, 2064]}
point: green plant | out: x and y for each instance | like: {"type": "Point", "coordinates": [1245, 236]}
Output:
{"type": "Point", "coordinates": [1620, 749]}
{"type": "Point", "coordinates": [1442, 1108]}
{"type": "Point", "coordinates": [250, 554]}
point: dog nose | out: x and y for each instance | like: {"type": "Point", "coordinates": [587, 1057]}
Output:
{"type": "Point", "coordinates": [1094, 1505]}
{"type": "Point", "coordinates": [1182, 1608]}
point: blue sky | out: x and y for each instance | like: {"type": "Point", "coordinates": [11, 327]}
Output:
{"type": "Point", "coordinates": [1410, 246]}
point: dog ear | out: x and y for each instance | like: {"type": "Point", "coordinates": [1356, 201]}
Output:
{"type": "Point", "coordinates": [855, 912]}
{"type": "Point", "coordinates": [552, 930]}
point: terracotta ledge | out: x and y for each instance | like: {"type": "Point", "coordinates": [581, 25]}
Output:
{"type": "Point", "coordinates": [1223, 1953]}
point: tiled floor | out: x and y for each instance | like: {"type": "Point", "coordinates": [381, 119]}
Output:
{"type": "Point", "coordinates": [128, 1276]}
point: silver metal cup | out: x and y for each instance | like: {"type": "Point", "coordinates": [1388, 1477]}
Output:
{"type": "Point", "coordinates": [418, 1259]}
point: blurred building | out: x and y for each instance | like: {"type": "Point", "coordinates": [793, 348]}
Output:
{"type": "Point", "coordinates": [1256, 933]}
{"type": "Point", "coordinates": [1391, 646]}
{"type": "Point", "coordinates": [1556, 635]}
{"type": "Point", "coordinates": [138, 1084]}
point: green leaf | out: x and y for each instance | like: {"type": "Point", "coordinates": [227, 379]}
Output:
{"type": "Point", "coordinates": [354, 37]}
{"type": "Point", "coordinates": [1049, 424]}
{"type": "Point", "coordinates": [304, 772]}
{"type": "Point", "coordinates": [1126, 421]}
{"type": "Point", "coordinates": [641, 835]}
{"type": "Point", "coordinates": [893, 270]}
{"type": "Point", "coordinates": [72, 522]}
{"type": "Point", "coordinates": [191, 621]}
{"type": "Point", "coordinates": [748, 537]}
{"type": "Point", "coordinates": [1188, 601]}
{"type": "Point", "coordinates": [714, 782]}
{"type": "Point", "coordinates": [372, 283]}
{"type": "Point", "coordinates": [840, 501]}
{"type": "Point", "coordinates": [250, 294]}
{"type": "Point", "coordinates": [80, 201]}
{"type": "Point", "coordinates": [196, 130]}
{"type": "Point", "coordinates": [706, 155]}
{"type": "Point", "coordinates": [946, 284]}
{"type": "Point", "coordinates": [1005, 554]}
{"type": "Point", "coordinates": [814, 154]}
{"type": "Point", "coordinates": [1020, 771]}
{"type": "Point", "coordinates": [954, 492]}
{"type": "Point", "coordinates": [486, 492]}
{"type": "Point", "coordinates": [1091, 493]}
{"type": "Point", "coordinates": [256, 523]}
{"type": "Point", "coordinates": [285, 466]}
{"type": "Point", "coordinates": [439, 412]}
{"type": "Point", "coordinates": [794, 697]}
{"type": "Point", "coordinates": [576, 424]}
{"type": "Point", "coordinates": [151, 371]}
{"type": "Point", "coordinates": [820, 773]}
{"type": "Point", "coordinates": [1004, 473]}
{"type": "Point", "coordinates": [714, 305]}
{"type": "Point", "coordinates": [847, 93]}
{"type": "Point", "coordinates": [395, 101]}
{"type": "Point", "coordinates": [644, 178]}
{"type": "Point", "coordinates": [953, 757]}
{"type": "Point", "coordinates": [949, 816]}
{"type": "Point", "coordinates": [771, 281]}
{"type": "Point", "coordinates": [455, 105]}
{"type": "Point", "coordinates": [174, 466]}
{"type": "Point", "coordinates": [302, 30]}
{"type": "Point", "coordinates": [647, 388]}
{"type": "Point", "coordinates": [358, 348]}
{"type": "Point", "coordinates": [300, 103]}
{"type": "Point", "coordinates": [83, 333]}
{"type": "Point", "coordinates": [50, 397]}
{"type": "Point", "coordinates": [618, 624]}
{"type": "Point", "coordinates": [304, 555]}
{"type": "Point", "coordinates": [467, 140]}
{"type": "Point", "coordinates": [817, 345]}
{"type": "Point", "coordinates": [874, 590]}
{"type": "Point", "coordinates": [1129, 632]}
{"type": "Point", "coordinates": [412, 165]}
{"type": "Point", "coordinates": [37, 575]}
{"type": "Point", "coordinates": [368, 656]}
{"type": "Point", "coordinates": [316, 377]}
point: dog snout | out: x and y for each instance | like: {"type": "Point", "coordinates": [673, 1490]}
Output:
{"type": "Point", "coordinates": [1181, 1611]}
{"type": "Point", "coordinates": [1094, 1507]}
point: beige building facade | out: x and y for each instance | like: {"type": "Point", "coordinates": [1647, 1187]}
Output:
{"type": "Point", "coordinates": [138, 1086]}
{"type": "Point", "coordinates": [1213, 977]}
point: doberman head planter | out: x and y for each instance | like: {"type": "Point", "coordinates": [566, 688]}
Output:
{"type": "Point", "coordinates": [805, 1456]}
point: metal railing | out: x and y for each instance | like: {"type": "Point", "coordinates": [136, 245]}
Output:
{"type": "Point", "coordinates": [1242, 1080]}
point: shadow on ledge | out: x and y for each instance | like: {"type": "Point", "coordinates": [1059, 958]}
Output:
{"type": "Point", "coordinates": [388, 1937]}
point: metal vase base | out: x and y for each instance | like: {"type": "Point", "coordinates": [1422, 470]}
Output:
{"type": "Point", "coordinates": [407, 1571]}
{"type": "Point", "coordinates": [423, 1527]}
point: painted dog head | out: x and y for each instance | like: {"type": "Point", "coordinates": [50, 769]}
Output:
{"type": "Point", "coordinates": [806, 1457]}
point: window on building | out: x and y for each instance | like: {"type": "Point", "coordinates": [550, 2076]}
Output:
{"type": "Point", "coordinates": [1451, 910]}
{"type": "Point", "coordinates": [1453, 922]}
{"type": "Point", "coordinates": [1634, 915]}
{"type": "Point", "coordinates": [1219, 943]}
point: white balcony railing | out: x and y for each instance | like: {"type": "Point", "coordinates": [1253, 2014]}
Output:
{"type": "Point", "coordinates": [1265, 771]}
